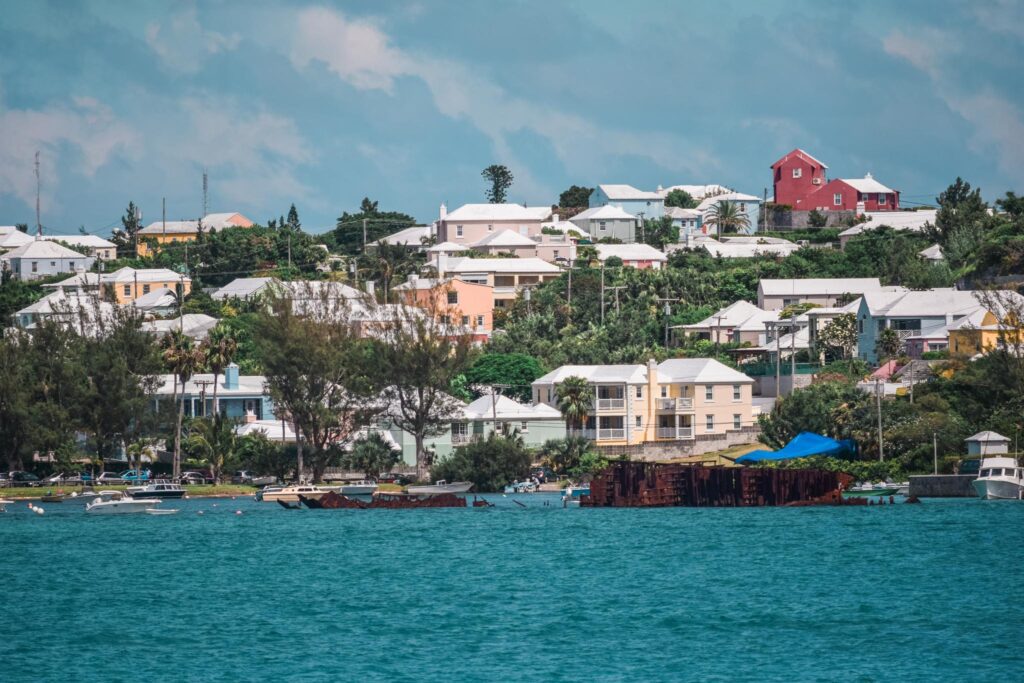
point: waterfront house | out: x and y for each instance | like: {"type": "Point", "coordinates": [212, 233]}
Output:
{"type": "Point", "coordinates": [774, 295]}
{"type": "Point", "coordinates": [682, 399]}
{"type": "Point", "coordinates": [97, 247]}
{"type": "Point", "coordinates": [635, 255]}
{"type": "Point", "coordinates": [470, 223]}
{"type": "Point", "coordinates": [505, 275]}
{"type": "Point", "coordinates": [458, 302]}
{"type": "Point", "coordinates": [910, 314]}
{"type": "Point", "coordinates": [987, 443]}
{"type": "Point", "coordinates": [176, 232]}
{"type": "Point", "coordinates": [607, 221]}
{"type": "Point", "coordinates": [639, 203]}
{"type": "Point", "coordinates": [42, 258]}
{"type": "Point", "coordinates": [239, 396]}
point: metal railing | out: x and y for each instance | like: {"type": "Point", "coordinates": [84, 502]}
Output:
{"type": "Point", "coordinates": [676, 404]}
{"type": "Point", "coordinates": [611, 404]}
{"type": "Point", "coordinates": [603, 434]}
{"type": "Point", "coordinates": [675, 432]}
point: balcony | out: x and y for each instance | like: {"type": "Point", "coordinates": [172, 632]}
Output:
{"type": "Point", "coordinates": [606, 404]}
{"type": "Point", "coordinates": [678, 405]}
{"type": "Point", "coordinates": [675, 432]}
{"type": "Point", "coordinates": [461, 438]}
{"type": "Point", "coordinates": [611, 434]}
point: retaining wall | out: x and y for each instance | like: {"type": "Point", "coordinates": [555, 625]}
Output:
{"type": "Point", "coordinates": [943, 485]}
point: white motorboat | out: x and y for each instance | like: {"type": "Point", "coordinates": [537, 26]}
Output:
{"type": "Point", "coordinates": [290, 494]}
{"type": "Point", "coordinates": [365, 487]}
{"type": "Point", "coordinates": [999, 479]}
{"type": "Point", "coordinates": [441, 487]}
{"type": "Point", "coordinates": [119, 505]}
{"type": "Point", "coordinates": [521, 487]}
{"type": "Point", "coordinates": [157, 489]}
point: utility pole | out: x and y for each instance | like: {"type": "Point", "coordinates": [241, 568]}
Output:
{"type": "Point", "coordinates": [206, 188]}
{"type": "Point", "coordinates": [878, 396]}
{"type": "Point", "coordinates": [203, 383]}
{"type": "Point", "coordinates": [568, 305]}
{"type": "Point", "coordinates": [602, 293]}
{"type": "Point", "coordinates": [163, 216]}
{"type": "Point", "coordinates": [718, 332]}
{"type": "Point", "coordinates": [364, 235]}
{"type": "Point", "coordinates": [39, 225]}
{"type": "Point", "coordinates": [792, 352]}
{"type": "Point", "coordinates": [778, 361]}
{"type": "Point", "coordinates": [642, 235]}
{"type": "Point", "coordinates": [668, 312]}
{"type": "Point", "coordinates": [935, 452]}
{"type": "Point", "coordinates": [911, 382]}
{"type": "Point", "coordinates": [528, 297]}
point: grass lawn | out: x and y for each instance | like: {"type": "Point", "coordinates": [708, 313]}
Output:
{"type": "Point", "coordinates": [193, 491]}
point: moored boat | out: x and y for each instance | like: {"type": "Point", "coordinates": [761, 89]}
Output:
{"type": "Point", "coordinates": [521, 487]}
{"type": "Point", "coordinates": [869, 490]}
{"type": "Point", "coordinates": [440, 487]}
{"type": "Point", "coordinates": [358, 488]}
{"type": "Point", "coordinates": [290, 494]}
{"type": "Point", "coordinates": [999, 479]}
{"type": "Point", "coordinates": [121, 505]}
{"type": "Point", "coordinates": [576, 490]}
{"type": "Point", "coordinates": [158, 489]}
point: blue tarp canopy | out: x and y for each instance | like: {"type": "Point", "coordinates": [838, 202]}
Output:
{"type": "Point", "coordinates": [803, 445]}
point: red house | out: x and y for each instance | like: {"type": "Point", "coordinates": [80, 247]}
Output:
{"type": "Point", "coordinates": [800, 181]}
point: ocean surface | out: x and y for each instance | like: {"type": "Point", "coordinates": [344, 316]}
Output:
{"type": "Point", "coordinates": [904, 593]}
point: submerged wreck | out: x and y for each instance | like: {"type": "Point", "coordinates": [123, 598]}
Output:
{"type": "Point", "coordinates": [645, 484]}
{"type": "Point", "coordinates": [386, 500]}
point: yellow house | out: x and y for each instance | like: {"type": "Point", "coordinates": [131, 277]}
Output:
{"type": "Point", "coordinates": [172, 232]}
{"type": "Point", "coordinates": [682, 399]}
{"type": "Point", "coordinates": [128, 284]}
{"type": "Point", "coordinates": [972, 337]}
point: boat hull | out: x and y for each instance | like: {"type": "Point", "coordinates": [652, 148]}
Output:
{"type": "Point", "coordinates": [122, 507]}
{"type": "Point", "coordinates": [996, 489]}
{"type": "Point", "coordinates": [290, 497]}
{"type": "Point", "coordinates": [163, 495]}
{"type": "Point", "coordinates": [358, 490]}
{"type": "Point", "coordinates": [434, 489]}
{"type": "Point", "coordinates": [868, 493]}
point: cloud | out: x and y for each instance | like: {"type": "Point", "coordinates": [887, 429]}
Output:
{"type": "Point", "coordinates": [998, 124]}
{"type": "Point", "coordinates": [1000, 16]}
{"type": "Point", "coordinates": [182, 43]}
{"type": "Point", "coordinates": [89, 129]}
{"type": "Point", "coordinates": [360, 53]}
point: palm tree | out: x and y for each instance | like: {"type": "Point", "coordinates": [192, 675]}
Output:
{"type": "Point", "coordinates": [213, 440]}
{"type": "Point", "coordinates": [727, 217]}
{"type": "Point", "coordinates": [183, 359]}
{"type": "Point", "coordinates": [575, 401]}
{"type": "Point", "coordinates": [220, 349]}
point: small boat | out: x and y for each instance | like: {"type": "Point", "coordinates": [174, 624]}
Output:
{"type": "Point", "coordinates": [440, 487]}
{"type": "Point", "coordinates": [365, 487]}
{"type": "Point", "coordinates": [4, 503]}
{"type": "Point", "coordinates": [120, 505]}
{"type": "Point", "coordinates": [869, 490]}
{"type": "Point", "coordinates": [290, 494]}
{"type": "Point", "coordinates": [576, 490]}
{"type": "Point", "coordinates": [999, 479]}
{"type": "Point", "coordinates": [157, 511]}
{"type": "Point", "coordinates": [521, 487]}
{"type": "Point", "coordinates": [86, 497]}
{"type": "Point", "coordinates": [158, 489]}
{"type": "Point", "coordinates": [53, 498]}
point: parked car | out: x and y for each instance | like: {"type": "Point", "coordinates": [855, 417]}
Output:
{"type": "Point", "coordinates": [78, 478]}
{"type": "Point", "coordinates": [130, 475]}
{"type": "Point", "coordinates": [4, 479]}
{"type": "Point", "coordinates": [19, 478]}
{"type": "Point", "coordinates": [242, 477]}
{"type": "Point", "coordinates": [193, 478]}
{"type": "Point", "coordinates": [109, 478]}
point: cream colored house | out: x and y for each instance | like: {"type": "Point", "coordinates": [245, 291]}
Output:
{"type": "Point", "coordinates": [470, 223]}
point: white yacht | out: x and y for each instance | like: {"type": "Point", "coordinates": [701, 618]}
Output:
{"type": "Point", "coordinates": [441, 487]}
{"type": "Point", "coordinates": [999, 478]}
{"type": "Point", "coordinates": [157, 489]}
{"type": "Point", "coordinates": [366, 487]}
{"type": "Point", "coordinates": [86, 497]}
{"type": "Point", "coordinates": [119, 505]}
{"type": "Point", "coordinates": [290, 494]}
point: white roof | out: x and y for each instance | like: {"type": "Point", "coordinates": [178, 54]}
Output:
{"type": "Point", "coordinates": [195, 325]}
{"type": "Point", "coordinates": [564, 226]}
{"type": "Point", "coordinates": [248, 385]}
{"type": "Point", "coordinates": [698, 192]}
{"type": "Point", "coordinates": [629, 252]}
{"type": "Point", "coordinates": [87, 280]}
{"type": "Point", "coordinates": [788, 341]}
{"type": "Point", "coordinates": [728, 196]}
{"type": "Point", "coordinates": [929, 302]}
{"type": "Point", "coordinates": [897, 220]}
{"type": "Point", "coordinates": [14, 239]}
{"type": "Point", "coordinates": [413, 236]}
{"type": "Point", "coordinates": [627, 192]}
{"type": "Point", "coordinates": [606, 212]}
{"type": "Point", "coordinates": [823, 286]}
{"type": "Point", "coordinates": [211, 221]}
{"type": "Point", "coordinates": [158, 298]}
{"type": "Point", "coordinates": [988, 436]}
{"type": "Point", "coordinates": [508, 409]}
{"type": "Point", "coordinates": [126, 274]}
{"type": "Point", "coordinates": [630, 374]}
{"type": "Point", "coordinates": [92, 241]}
{"type": "Point", "coordinates": [242, 287]}
{"type": "Point", "coordinates": [731, 316]}
{"type": "Point", "coordinates": [499, 265]}
{"type": "Point", "coordinates": [498, 212]}
{"type": "Point", "coordinates": [506, 238]}
{"type": "Point", "coordinates": [274, 430]}
{"type": "Point", "coordinates": [679, 212]}
{"type": "Point", "coordinates": [867, 184]}
{"type": "Point", "coordinates": [932, 253]}
{"type": "Point", "coordinates": [700, 371]}
{"type": "Point", "coordinates": [43, 249]}
{"type": "Point", "coordinates": [746, 249]}
{"type": "Point", "coordinates": [448, 248]}
{"type": "Point", "coordinates": [170, 228]}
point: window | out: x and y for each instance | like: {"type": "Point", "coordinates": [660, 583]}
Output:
{"type": "Point", "coordinates": [458, 428]}
{"type": "Point", "coordinates": [639, 422]}
{"type": "Point", "coordinates": [453, 298]}
{"type": "Point", "coordinates": [524, 427]}
{"type": "Point", "coordinates": [145, 289]}
{"type": "Point", "coordinates": [603, 226]}
{"type": "Point", "coordinates": [881, 198]}
{"type": "Point", "coordinates": [639, 392]}
{"type": "Point", "coordinates": [556, 253]}
{"type": "Point", "coordinates": [709, 393]}
{"type": "Point", "coordinates": [127, 290]}
{"type": "Point", "coordinates": [709, 423]}
{"type": "Point", "coordinates": [860, 326]}
{"type": "Point", "coordinates": [458, 231]}
{"type": "Point", "coordinates": [490, 228]}
{"type": "Point", "coordinates": [737, 422]}
{"type": "Point", "coordinates": [465, 321]}
{"type": "Point", "coordinates": [798, 173]}
{"type": "Point", "coordinates": [837, 199]}
{"type": "Point", "coordinates": [445, 320]}
{"type": "Point", "coordinates": [479, 321]}
{"type": "Point", "coordinates": [735, 392]}
{"type": "Point", "coordinates": [35, 267]}
{"type": "Point", "coordinates": [664, 392]}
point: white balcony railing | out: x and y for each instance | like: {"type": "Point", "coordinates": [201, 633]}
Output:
{"type": "Point", "coordinates": [675, 404]}
{"type": "Point", "coordinates": [609, 434]}
{"type": "Point", "coordinates": [685, 433]}
{"type": "Point", "coordinates": [666, 404]}
{"type": "Point", "coordinates": [683, 404]}
{"type": "Point", "coordinates": [675, 432]}
{"type": "Point", "coordinates": [589, 434]}
{"type": "Point", "coordinates": [611, 404]}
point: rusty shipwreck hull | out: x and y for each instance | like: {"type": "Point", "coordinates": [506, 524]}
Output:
{"type": "Point", "coordinates": [390, 501]}
{"type": "Point", "coordinates": [643, 484]}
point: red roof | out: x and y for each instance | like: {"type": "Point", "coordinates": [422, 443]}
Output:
{"type": "Point", "coordinates": [802, 154]}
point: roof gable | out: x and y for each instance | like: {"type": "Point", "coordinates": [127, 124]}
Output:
{"type": "Point", "coordinates": [798, 154]}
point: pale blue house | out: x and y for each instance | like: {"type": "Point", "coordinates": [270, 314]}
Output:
{"type": "Point", "coordinates": [631, 200]}
{"type": "Point", "coordinates": [910, 314]}
{"type": "Point", "coordinates": [749, 206]}
{"type": "Point", "coordinates": [241, 397]}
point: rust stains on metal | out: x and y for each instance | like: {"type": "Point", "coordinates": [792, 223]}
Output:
{"type": "Point", "coordinates": [642, 484]}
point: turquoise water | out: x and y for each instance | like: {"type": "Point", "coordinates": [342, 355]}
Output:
{"type": "Point", "coordinates": [927, 592]}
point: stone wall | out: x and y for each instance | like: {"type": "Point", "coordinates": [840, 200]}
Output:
{"type": "Point", "coordinates": [943, 486]}
{"type": "Point", "coordinates": [783, 219]}
{"type": "Point", "coordinates": [764, 385]}
{"type": "Point", "coordinates": [666, 450]}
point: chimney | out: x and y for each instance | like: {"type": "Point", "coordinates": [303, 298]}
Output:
{"type": "Point", "coordinates": [555, 218]}
{"type": "Point", "coordinates": [231, 376]}
{"type": "Point", "coordinates": [444, 211]}
{"type": "Point", "coordinates": [369, 287]}
{"type": "Point", "coordinates": [442, 264]}
{"type": "Point", "coordinates": [413, 279]}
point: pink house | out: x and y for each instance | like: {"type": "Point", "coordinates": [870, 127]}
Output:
{"type": "Point", "coordinates": [468, 304]}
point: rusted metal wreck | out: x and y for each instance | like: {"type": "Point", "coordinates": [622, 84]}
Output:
{"type": "Point", "coordinates": [644, 484]}
{"type": "Point", "coordinates": [386, 500]}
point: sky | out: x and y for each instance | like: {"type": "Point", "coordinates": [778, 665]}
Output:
{"type": "Point", "coordinates": [406, 102]}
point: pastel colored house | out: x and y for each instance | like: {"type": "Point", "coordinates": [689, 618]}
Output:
{"type": "Point", "coordinates": [639, 203]}
{"type": "Point", "coordinates": [739, 322]}
{"type": "Point", "coordinates": [776, 294]}
{"type": "Point", "coordinates": [73, 308]}
{"type": "Point", "coordinates": [678, 400]}
{"type": "Point", "coordinates": [635, 255]}
{"type": "Point", "coordinates": [507, 276]}
{"type": "Point", "coordinates": [97, 247]}
{"type": "Point", "coordinates": [607, 221]}
{"type": "Point", "coordinates": [689, 221]}
{"type": "Point", "coordinates": [239, 396]}
{"type": "Point", "coordinates": [507, 242]}
{"type": "Point", "coordinates": [747, 205]}
{"type": "Point", "coordinates": [800, 181]}
{"type": "Point", "coordinates": [129, 284]}
{"type": "Point", "coordinates": [42, 258]}
{"type": "Point", "coordinates": [469, 304]}
{"type": "Point", "coordinates": [175, 232]}
{"type": "Point", "coordinates": [984, 331]}
{"type": "Point", "coordinates": [471, 223]}
{"type": "Point", "coordinates": [795, 176]}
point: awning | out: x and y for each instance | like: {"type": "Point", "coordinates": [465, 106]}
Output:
{"type": "Point", "coordinates": [803, 445]}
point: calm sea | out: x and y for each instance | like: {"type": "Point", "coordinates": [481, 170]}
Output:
{"type": "Point", "coordinates": [907, 593]}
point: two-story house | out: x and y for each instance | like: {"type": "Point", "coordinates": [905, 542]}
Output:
{"type": "Point", "coordinates": [796, 175]}
{"type": "Point", "coordinates": [471, 223]}
{"type": "Point", "coordinates": [238, 396]}
{"type": "Point", "coordinates": [469, 304]}
{"type": "Point", "coordinates": [800, 181]}
{"type": "Point", "coordinates": [682, 399]}
{"type": "Point", "coordinates": [776, 294]}
{"type": "Point", "coordinates": [639, 203]}
{"type": "Point", "coordinates": [607, 221]}
{"type": "Point", "coordinates": [506, 276]}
